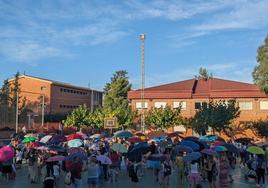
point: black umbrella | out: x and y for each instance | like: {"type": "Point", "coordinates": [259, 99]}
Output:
{"type": "Point", "coordinates": [191, 138]}
{"type": "Point", "coordinates": [244, 140]}
{"type": "Point", "coordinates": [157, 157]}
{"type": "Point", "coordinates": [231, 148]}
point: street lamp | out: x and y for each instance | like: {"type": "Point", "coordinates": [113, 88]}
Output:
{"type": "Point", "coordinates": [142, 38]}
{"type": "Point", "coordinates": [43, 105]}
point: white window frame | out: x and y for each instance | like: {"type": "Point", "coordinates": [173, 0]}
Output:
{"type": "Point", "coordinates": [201, 103]}
{"type": "Point", "coordinates": [242, 105]}
{"type": "Point", "coordinates": [160, 104]}
{"type": "Point", "coordinates": [182, 104]}
{"type": "Point", "coordinates": [263, 105]}
{"type": "Point", "coordinates": [139, 105]}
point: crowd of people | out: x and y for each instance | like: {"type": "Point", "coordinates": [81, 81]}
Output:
{"type": "Point", "coordinates": [54, 158]}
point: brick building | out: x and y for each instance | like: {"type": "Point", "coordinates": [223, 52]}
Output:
{"type": "Point", "coordinates": [59, 97]}
{"type": "Point", "coordinates": [192, 94]}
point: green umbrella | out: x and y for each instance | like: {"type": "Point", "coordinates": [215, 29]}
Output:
{"type": "Point", "coordinates": [255, 150]}
{"type": "Point", "coordinates": [28, 139]}
{"type": "Point", "coordinates": [119, 148]}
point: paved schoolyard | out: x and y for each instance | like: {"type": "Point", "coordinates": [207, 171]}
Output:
{"type": "Point", "coordinates": [146, 181]}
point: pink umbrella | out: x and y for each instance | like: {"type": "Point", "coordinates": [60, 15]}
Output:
{"type": "Point", "coordinates": [6, 153]}
{"type": "Point", "coordinates": [56, 158]}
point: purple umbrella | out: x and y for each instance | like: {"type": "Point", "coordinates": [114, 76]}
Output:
{"type": "Point", "coordinates": [56, 139]}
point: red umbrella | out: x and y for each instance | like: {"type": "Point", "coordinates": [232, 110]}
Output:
{"type": "Point", "coordinates": [135, 139]}
{"type": "Point", "coordinates": [74, 136]}
{"type": "Point", "coordinates": [35, 145]}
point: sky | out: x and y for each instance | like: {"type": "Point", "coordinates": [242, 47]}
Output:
{"type": "Point", "coordinates": [85, 42]}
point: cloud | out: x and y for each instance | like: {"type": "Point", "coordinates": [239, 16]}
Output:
{"type": "Point", "coordinates": [242, 15]}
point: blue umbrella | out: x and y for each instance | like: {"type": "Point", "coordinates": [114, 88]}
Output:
{"type": "Point", "coordinates": [231, 148]}
{"type": "Point", "coordinates": [159, 138]}
{"type": "Point", "coordinates": [75, 143]}
{"type": "Point", "coordinates": [191, 144]}
{"type": "Point", "coordinates": [78, 155]}
{"type": "Point", "coordinates": [192, 156]}
{"type": "Point", "coordinates": [123, 134]}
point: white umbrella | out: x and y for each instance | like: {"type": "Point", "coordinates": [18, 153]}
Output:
{"type": "Point", "coordinates": [46, 138]}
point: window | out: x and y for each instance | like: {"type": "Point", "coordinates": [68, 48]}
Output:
{"type": "Point", "coordinates": [199, 105]}
{"type": "Point", "coordinates": [181, 104]}
{"type": "Point", "coordinates": [245, 105]}
{"type": "Point", "coordinates": [264, 105]}
{"type": "Point", "coordinates": [139, 105]}
{"type": "Point", "coordinates": [160, 104]}
{"type": "Point", "coordinates": [61, 89]}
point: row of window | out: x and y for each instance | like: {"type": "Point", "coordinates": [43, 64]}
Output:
{"type": "Point", "coordinates": [68, 106]}
{"type": "Point", "coordinates": [73, 91]}
{"type": "Point", "coordinates": [243, 105]}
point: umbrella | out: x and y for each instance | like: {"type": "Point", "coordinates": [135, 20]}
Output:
{"type": "Point", "coordinates": [191, 138]}
{"type": "Point", "coordinates": [123, 134]}
{"type": "Point", "coordinates": [192, 156]}
{"type": "Point", "coordinates": [75, 143]}
{"type": "Point", "coordinates": [119, 148]}
{"type": "Point", "coordinates": [74, 136]}
{"type": "Point", "coordinates": [84, 136]}
{"type": "Point", "coordinates": [157, 157]}
{"type": "Point", "coordinates": [179, 148]}
{"type": "Point", "coordinates": [56, 148]}
{"type": "Point", "coordinates": [220, 148]}
{"type": "Point", "coordinates": [28, 139]}
{"type": "Point", "coordinates": [262, 144]}
{"type": "Point", "coordinates": [95, 136]}
{"type": "Point", "coordinates": [255, 150]}
{"type": "Point", "coordinates": [159, 138]}
{"type": "Point", "coordinates": [55, 158]}
{"type": "Point", "coordinates": [134, 139]}
{"type": "Point", "coordinates": [46, 138]}
{"type": "Point", "coordinates": [244, 140]}
{"type": "Point", "coordinates": [218, 143]}
{"type": "Point", "coordinates": [104, 159]}
{"type": "Point", "coordinates": [154, 134]}
{"type": "Point", "coordinates": [80, 156]}
{"type": "Point", "coordinates": [56, 139]}
{"type": "Point", "coordinates": [36, 144]}
{"type": "Point", "coordinates": [209, 152]}
{"type": "Point", "coordinates": [42, 148]}
{"type": "Point", "coordinates": [191, 144]}
{"type": "Point", "coordinates": [174, 134]}
{"type": "Point", "coordinates": [139, 134]}
{"type": "Point", "coordinates": [76, 150]}
{"type": "Point", "coordinates": [163, 143]}
{"type": "Point", "coordinates": [6, 153]}
{"type": "Point", "coordinates": [231, 148]}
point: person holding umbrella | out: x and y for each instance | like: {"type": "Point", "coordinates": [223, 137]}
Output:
{"type": "Point", "coordinates": [224, 167]}
{"type": "Point", "coordinates": [166, 168]}
{"type": "Point", "coordinates": [93, 172]}
{"type": "Point", "coordinates": [76, 169]}
{"type": "Point", "coordinates": [181, 167]}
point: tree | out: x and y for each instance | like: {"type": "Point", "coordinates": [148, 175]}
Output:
{"type": "Point", "coordinates": [5, 94]}
{"type": "Point", "coordinates": [203, 74]}
{"type": "Point", "coordinates": [218, 116]}
{"type": "Point", "coordinates": [260, 72]}
{"type": "Point", "coordinates": [163, 118]}
{"type": "Point", "coordinates": [97, 118]}
{"type": "Point", "coordinates": [261, 128]}
{"type": "Point", "coordinates": [79, 117]}
{"type": "Point", "coordinates": [115, 101]}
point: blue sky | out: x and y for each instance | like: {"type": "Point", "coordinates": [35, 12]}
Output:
{"type": "Point", "coordinates": [81, 42]}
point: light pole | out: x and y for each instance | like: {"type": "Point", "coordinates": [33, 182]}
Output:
{"type": "Point", "coordinates": [142, 38]}
{"type": "Point", "coordinates": [43, 105]}
{"type": "Point", "coordinates": [17, 111]}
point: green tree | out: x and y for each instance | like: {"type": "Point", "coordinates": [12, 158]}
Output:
{"type": "Point", "coordinates": [163, 118]}
{"type": "Point", "coordinates": [261, 128]}
{"type": "Point", "coordinates": [115, 101]}
{"type": "Point", "coordinates": [260, 72]}
{"type": "Point", "coordinates": [218, 116]}
{"type": "Point", "coordinates": [203, 74]}
{"type": "Point", "coordinates": [79, 117]}
{"type": "Point", "coordinates": [97, 118]}
{"type": "Point", "coordinates": [5, 94]}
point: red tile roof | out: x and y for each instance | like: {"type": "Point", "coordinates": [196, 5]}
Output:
{"type": "Point", "coordinates": [211, 88]}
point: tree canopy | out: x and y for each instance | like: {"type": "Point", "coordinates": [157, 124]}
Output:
{"type": "Point", "coordinates": [163, 118]}
{"type": "Point", "coordinates": [115, 101]}
{"type": "Point", "coordinates": [218, 116]}
{"type": "Point", "coordinates": [203, 74]}
{"type": "Point", "coordinates": [260, 73]}
{"type": "Point", "coordinates": [260, 128]}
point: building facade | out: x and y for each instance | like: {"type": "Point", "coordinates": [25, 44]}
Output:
{"type": "Point", "coordinates": [58, 97]}
{"type": "Point", "coordinates": [192, 94]}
